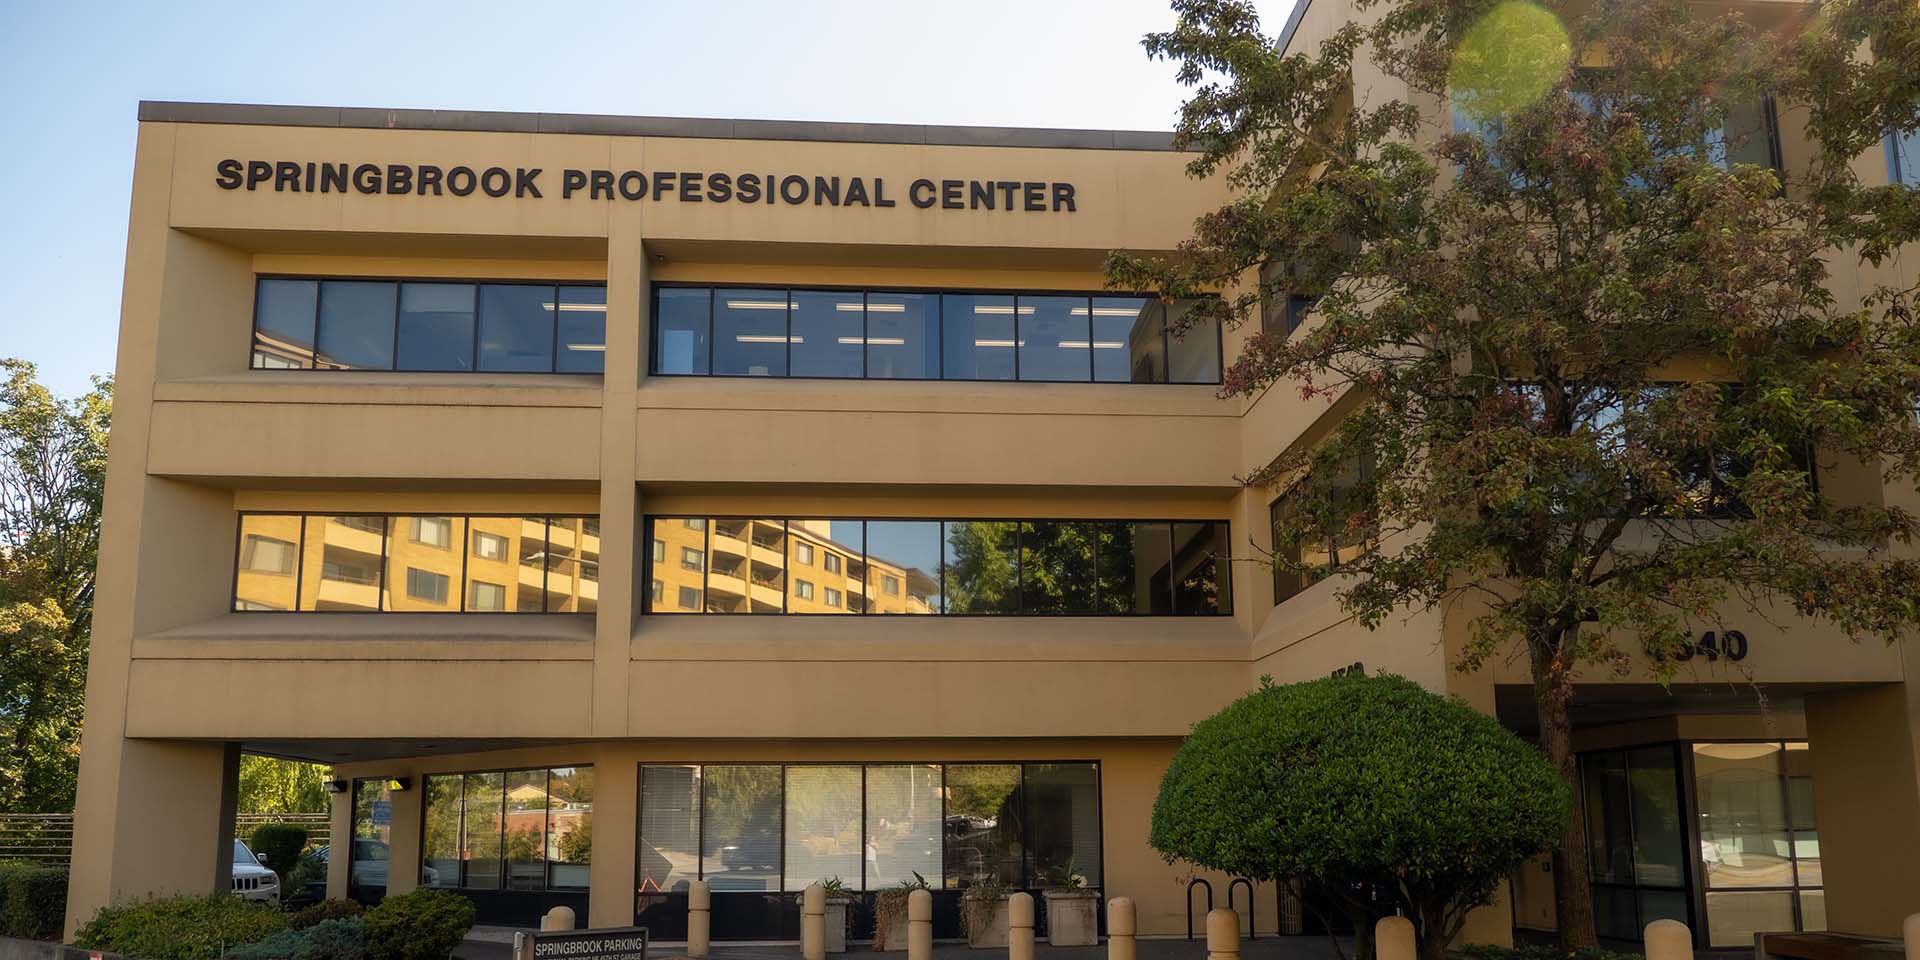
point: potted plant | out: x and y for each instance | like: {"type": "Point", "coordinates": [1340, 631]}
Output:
{"type": "Point", "coordinates": [1072, 908]}
{"type": "Point", "coordinates": [890, 913]}
{"type": "Point", "coordinates": [838, 916]}
{"type": "Point", "coordinates": [983, 912]}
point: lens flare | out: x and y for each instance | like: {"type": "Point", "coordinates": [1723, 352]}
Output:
{"type": "Point", "coordinates": [1508, 60]}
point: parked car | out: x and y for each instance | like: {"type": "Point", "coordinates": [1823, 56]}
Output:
{"type": "Point", "coordinates": [251, 879]}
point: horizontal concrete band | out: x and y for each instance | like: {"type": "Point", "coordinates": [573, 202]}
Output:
{"type": "Point", "coordinates": [378, 118]}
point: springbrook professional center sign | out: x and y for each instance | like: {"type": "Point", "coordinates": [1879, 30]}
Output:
{"type": "Point", "coordinates": [678, 186]}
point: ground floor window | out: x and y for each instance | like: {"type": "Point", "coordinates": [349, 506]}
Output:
{"type": "Point", "coordinates": [515, 830]}
{"type": "Point", "coordinates": [771, 827]}
{"type": "Point", "coordinates": [1724, 830]}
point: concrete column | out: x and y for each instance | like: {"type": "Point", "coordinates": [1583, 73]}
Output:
{"type": "Point", "coordinates": [620, 567]}
{"type": "Point", "coordinates": [616, 802]}
{"type": "Point", "coordinates": [1121, 927]}
{"type": "Point", "coordinates": [1393, 939]}
{"type": "Point", "coordinates": [1866, 789]}
{"type": "Point", "coordinates": [699, 919]}
{"type": "Point", "coordinates": [1020, 927]}
{"type": "Point", "coordinates": [1223, 935]}
{"type": "Point", "coordinates": [1910, 932]}
{"type": "Point", "coordinates": [919, 925]}
{"type": "Point", "coordinates": [1669, 940]}
{"type": "Point", "coordinates": [339, 837]}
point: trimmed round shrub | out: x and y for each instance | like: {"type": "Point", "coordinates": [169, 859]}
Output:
{"type": "Point", "coordinates": [422, 925]}
{"type": "Point", "coordinates": [180, 928]}
{"type": "Point", "coordinates": [280, 845]}
{"type": "Point", "coordinates": [1358, 782]}
{"type": "Point", "coordinates": [323, 911]}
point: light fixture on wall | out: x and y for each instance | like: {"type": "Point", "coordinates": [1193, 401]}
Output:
{"type": "Point", "coordinates": [335, 786]}
{"type": "Point", "coordinates": [398, 784]}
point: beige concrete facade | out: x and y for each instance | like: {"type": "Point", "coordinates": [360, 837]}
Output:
{"type": "Point", "coordinates": [179, 677]}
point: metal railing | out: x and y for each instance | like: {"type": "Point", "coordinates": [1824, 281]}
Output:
{"type": "Point", "coordinates": [48, 837]}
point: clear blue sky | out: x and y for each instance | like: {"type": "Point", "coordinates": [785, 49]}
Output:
{"type": "Point", "coordinates": [72, 73]}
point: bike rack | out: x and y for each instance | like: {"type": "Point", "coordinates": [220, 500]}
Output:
{"type": "Point", "coordinates": [1197, 881]}
{"type": "Point", "coordinates": [1253, 931]}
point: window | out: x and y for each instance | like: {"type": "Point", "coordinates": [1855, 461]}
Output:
{"type": "Point", "coordinates": [517, 830]}
{"type": "Point", "coordinates": [371, 838]}
{"type": "Point", "coordinates": [436, 327]}
{"type": "Point", "coordinates": [658, 592]}
{"type": "Point", "coordinates": [433, 531]}
{"type": "Point", "coordinates": [487, 597]}
{"type": "Point", "coordinates": [311, 323]}
{"type": "Point", "coordinates": [659, 551]}
{"type": "Point", "coordinates": [1903, 157]}
{"type": "Point", "coordinates": [426, 585]}
{"type": "Point", "coordinates": [488, 546]}
{"type": "Point", "coordinates": [803, 553]}
{"type": "Point", "coordinates": [1759, 848]}
{"type": "Point", "coordinates": [763, 828]}
{"type": "Point", "coordinates": [1017, 567]}
{"type": "Point", "coordinates": [954, 335]}
{"type": "Point", "coordinates": [374, 563]}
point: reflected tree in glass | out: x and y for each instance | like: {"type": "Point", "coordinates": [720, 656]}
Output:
{"type": "Point", "coordinates": [1057, 566]}
{"type": "Point", "coordinates": [982, 566]}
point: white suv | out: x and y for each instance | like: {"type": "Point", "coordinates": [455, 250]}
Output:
{"type": "Point", "coordinates": [251, 881]}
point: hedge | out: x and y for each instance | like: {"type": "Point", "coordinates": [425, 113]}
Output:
{"type": "Point", "coordinates": [180, 928]}
{"type": "Point", "coordinates": [33, 900]}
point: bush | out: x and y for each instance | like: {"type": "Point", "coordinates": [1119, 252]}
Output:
{"type": "Point", "coordinates": [1481, 951]}
{"type": "Point", "coordinates": [1354, 782]}
{"type": "Point", "coordinates": [344, 938]}
{"type": "Point", "coordinates": [423, 925]}
{"type": "Point", "coordinates": [33, 900]}
{"type": "Point", "coordinates": [331, 910]}
{"type": "Point", "coordinates": [180, 928]}
{"type": "Point", "coordinates": [280, 846]}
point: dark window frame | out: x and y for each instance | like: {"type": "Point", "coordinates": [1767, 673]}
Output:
{"type": "Point", "coordinates": [476, 283]}
{"type": "Point", "coordinates": [937, 323]}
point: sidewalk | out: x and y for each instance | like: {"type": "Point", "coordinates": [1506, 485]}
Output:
{"type": "Point", "coordinates": [496, 943]}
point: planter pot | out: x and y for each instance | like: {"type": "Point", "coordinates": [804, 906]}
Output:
{"type": "Point", "coordinates": [992, 931]}
{"type": "Point", "coordinates": [837, 925]}
{"type": "Point", "coordinates": [1073, 918]}
{"type": "Point", "coordinates": [893, 936]}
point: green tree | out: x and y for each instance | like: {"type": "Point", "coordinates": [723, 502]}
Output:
{"type": "Point", "coordinates": [983, 575]}
{"type": "Point", "coordinates": [1361, 781]}
{"type": "Point", "coordinates": [53, 466]}
{"type": "Point", "coordinates": [273, 785]}
{"type": "Point", "coordinates": [1590, 357]}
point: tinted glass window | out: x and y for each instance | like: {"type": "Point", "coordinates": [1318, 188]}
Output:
{"type": "Point", "coordinates": [583, 330]}
{"type": "Point", "coordinates": [681, 325]}
{"type": "Point", "coordinates": [269, 560]}
{"type": "Point", "coordinates": [356, 325]}
{"type": "Point", "coordinates": [1063, 823]}
{"type": "Point", "coordinates": [822, 825]}
{"type": "Point", "coordinates": [750, 333]}
{"type": "Point", "coordinates": [903, 336]}
{"type": "Point", "coordinates": [436, 326]}
{"type": "Point", "coordinates": [440, 832]}
{"type": "Point", "coordinates": [423, 561]}
{"type": "Point", "coordinates": [283, 317]}
{"type": "Point", "coordinates": [982, 565]}
{"type": "Point", "coordinates": [1193, 356]}
{"type": "Point", "coordinates": [669, 854]}
{"type": "Point", "coordinates": [1054, 339]}
{"type": "Point", "coordinates": [977, 335]}
{"type": "Point", "coordinates": [1057, 566]}
{"type": "Point", "coordinates": [741, 813]}
{"type": "Point", "coordinates": [516, 327]}
{"type": "Point", "coordinates": [340, 567]}
{"type": "Point", "coordinates": [828, 334]}
{"type": "Point", "coordinates": [824, 553]}
{"type": "Point", "coordinates": [1199, 555]}
{"type": "Point", "coordinates": [984, 829]}
{"type": "Point", "coordinates": [903, 566]}
{"type": "Point", "coordinates": [903, 824]}
{"type": "Point", "coordinates": [1153, 568]}
{"type": "Point", "coordinates": [1127, 341]}
{"type": "Point", "coordinates": [481, 834]}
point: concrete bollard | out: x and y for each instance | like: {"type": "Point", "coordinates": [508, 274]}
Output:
{"type": "Point", "coordinates": [1910, 931]}
{"type": "Point", "coordinates": [919, 925]}
{"type": "Point", "coordinates": [1669, 940]}
{"type": "Point", "coordinates": [1020, 927]}
{"type": "Point", "coordinates": [1393, 939]}
{"type": "Point", "coordinates": [1121, 927]}
{"type": "Point", "coordinates": [1223, 934]}
{"type": "Point", "coordinates": [813, 923]}
{"type": "Point", "coordinates": [699, 919]}
{"type": "Point", "coordinates": [557, 919]}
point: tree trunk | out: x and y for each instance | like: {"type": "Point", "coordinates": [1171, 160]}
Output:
{"type": "Point", "coordinates": [1572, 894]}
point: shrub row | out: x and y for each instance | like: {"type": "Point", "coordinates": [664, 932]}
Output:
{"type": "Point", "coordinates": [422, 925]}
